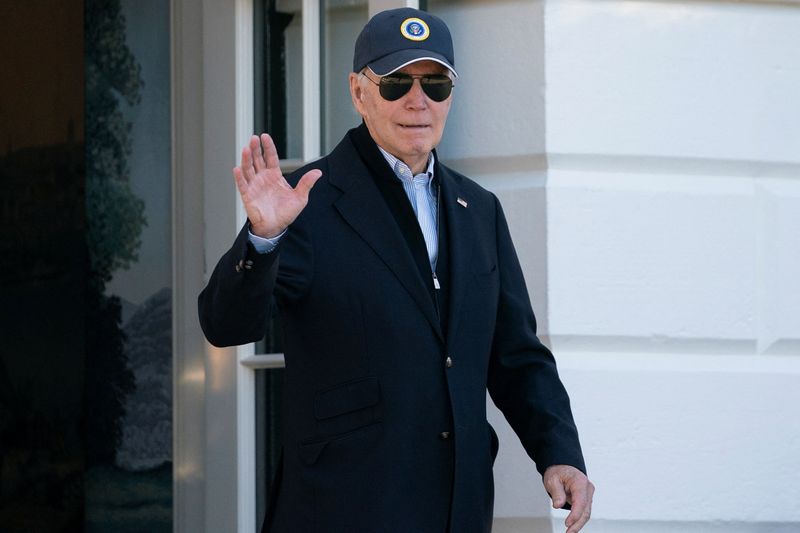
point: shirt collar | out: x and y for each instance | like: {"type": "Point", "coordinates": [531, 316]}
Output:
{"type": "Point", "coordinates": [401, 170]}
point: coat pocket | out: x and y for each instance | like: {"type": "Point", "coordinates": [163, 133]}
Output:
{"type": "Point", "coordinates": [347, 398]}
{"type": "Point", "coordinates": [341, 411]}
{"type": "Point", "coordinates": [347, 447]}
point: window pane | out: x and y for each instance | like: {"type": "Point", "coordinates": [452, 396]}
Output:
{"type": "Point", "coordinates": [278, 68]}
{"type": "Point", "coordinates": [129, 363]}
{"type": "Point", "coordinates": [85, 305]}
{"type": "Point", "coordinates": [269, 434]}
{"type": "Point", "coordinates": [342, 22]}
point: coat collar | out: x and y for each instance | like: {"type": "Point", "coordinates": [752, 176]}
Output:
{"type": "Point", "coordinates": [353, 166]}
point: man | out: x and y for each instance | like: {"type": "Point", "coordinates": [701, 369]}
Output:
{"type": "Point", "coordinates": [402, 301]}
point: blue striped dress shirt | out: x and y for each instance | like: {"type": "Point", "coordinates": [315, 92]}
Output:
{"type": "Point", "coordinates": [422, 193]}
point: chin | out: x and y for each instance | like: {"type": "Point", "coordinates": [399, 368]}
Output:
{"type": "Point", "coordinates": [419, 149]}
{"type": "Point", "coordinates": [420, 144]}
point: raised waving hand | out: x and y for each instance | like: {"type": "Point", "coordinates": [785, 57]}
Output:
{"type": "Point", "coordinates": [270, 202]}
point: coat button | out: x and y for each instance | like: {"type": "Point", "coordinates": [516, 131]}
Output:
{"type": "Point", "coordinates": [444, 435]}
{"type": "Point", "coordinates": [448, 362]}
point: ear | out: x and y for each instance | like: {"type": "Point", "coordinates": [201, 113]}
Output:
{"type": "Point", "coordinates": [357, 93]}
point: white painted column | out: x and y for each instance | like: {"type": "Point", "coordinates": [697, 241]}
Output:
{"type": "Point", "coordinates": [673, 246]}
{"type": "Point", "coordinates": [219, 150]}
{"type": "Point", "coordinates": [312, 135]}
{"type": "Point", "coordinates": [188, 346]}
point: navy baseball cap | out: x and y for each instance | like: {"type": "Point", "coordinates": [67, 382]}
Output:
{"type": "Point", "coordinates": [395, 38]}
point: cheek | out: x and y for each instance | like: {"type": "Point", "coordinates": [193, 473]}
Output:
{"type": "Point", "coordinates": [378, 115]}
{"type": "Point", "coordinates": [441, 117]}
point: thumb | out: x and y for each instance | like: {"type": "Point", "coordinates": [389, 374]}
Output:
{"type": "Point", "coordinates": [307, 181]}
{"type": "Point", "coordinates": [555, 488]}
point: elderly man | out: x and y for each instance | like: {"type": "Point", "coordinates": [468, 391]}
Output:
{"type": "Point", "coordinates": [402, 302]}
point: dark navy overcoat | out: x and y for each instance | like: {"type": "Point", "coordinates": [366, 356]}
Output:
{"type": "Point", "coordinates": [385, 398]}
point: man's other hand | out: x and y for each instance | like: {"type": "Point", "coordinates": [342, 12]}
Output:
{"type": "Point", "coordinates": [566, 484]}
{"type": "Point", "coordinates": [270, 202]}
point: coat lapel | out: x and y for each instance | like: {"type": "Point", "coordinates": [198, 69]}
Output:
{"type": "Point", "coordinates": [364, 209]}
{"type": "Point", "coordinates": [460, 231]}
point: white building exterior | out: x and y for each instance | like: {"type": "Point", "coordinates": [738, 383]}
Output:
{"type": "Point", "coordinates": [647, 154]}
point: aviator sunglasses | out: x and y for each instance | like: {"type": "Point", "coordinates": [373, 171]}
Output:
{"type": "Point", "coordinates": [394, 86]}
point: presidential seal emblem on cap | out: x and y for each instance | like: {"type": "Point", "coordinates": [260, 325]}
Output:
{"type": "Point", "coordinates": [415, 29]}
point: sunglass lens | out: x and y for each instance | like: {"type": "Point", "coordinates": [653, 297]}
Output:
{"type": "Point", "coordinates": [437, 87]}
{"type": "Point", "coordinates": [394, 87]}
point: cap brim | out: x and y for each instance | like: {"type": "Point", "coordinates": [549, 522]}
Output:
{"type": "Point", "coordinates": [397, 60]}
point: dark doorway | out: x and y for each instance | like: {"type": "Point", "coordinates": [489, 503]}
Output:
{"type": "Point", "coordinates": [84, 370]}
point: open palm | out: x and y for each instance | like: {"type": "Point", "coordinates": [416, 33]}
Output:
{"type": "Point", "coordinates": [270, 202]}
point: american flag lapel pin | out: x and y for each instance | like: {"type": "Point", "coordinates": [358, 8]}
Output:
{"type": "Point", "coordinates": [461, 202]}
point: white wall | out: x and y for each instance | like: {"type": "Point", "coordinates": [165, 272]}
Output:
{"type": "Point", "coordinates": [648, 156]}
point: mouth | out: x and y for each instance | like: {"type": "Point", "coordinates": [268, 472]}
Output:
{"type": "Point", "coordinates": [413, 127]}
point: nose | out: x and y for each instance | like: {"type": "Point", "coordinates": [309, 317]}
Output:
{"type": "Point", "coordinates": [416, 97]}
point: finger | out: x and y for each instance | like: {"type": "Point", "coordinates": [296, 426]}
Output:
{"type": "Point", "coordinates": [241, 183]}
{"type": "Point", "coordinates": [581, 505]}
{"type": "Point", "coordinates": [307, 181]}
{"type": "Point", "coordinates": [577, 526]}
{"type": "Point", "coordinates": [577, 512]}
{"type": "Point", "coordinates": [270, 152]}
{"type": "Point", "coordinates": [555, 488]}
{"type": "Point", "coordinates": [578, 498]}
{"type": "Point", "coordinates": [246, 165]}
{"type": "Point", "coordinates": [587, 514]}
{"type": "Point", "coordinates": [258, 157]}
